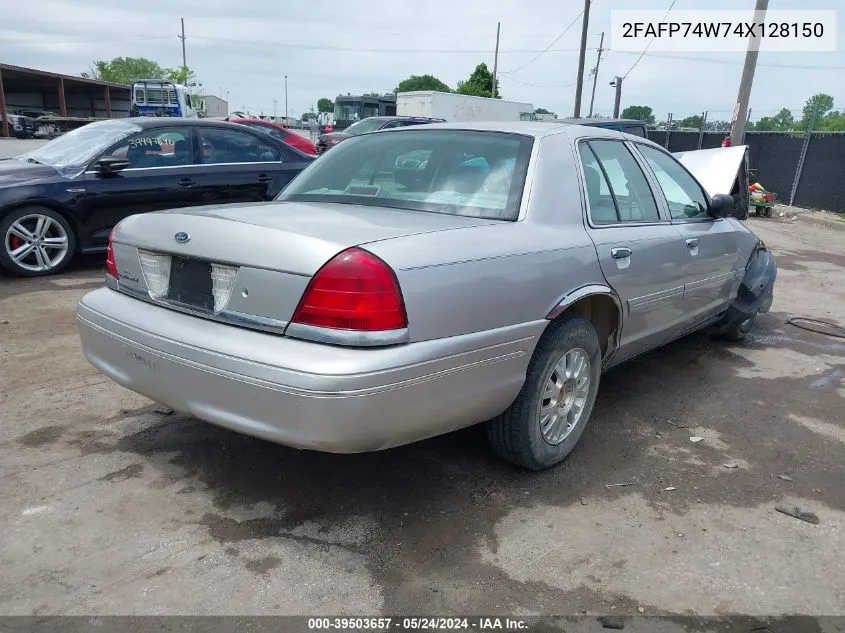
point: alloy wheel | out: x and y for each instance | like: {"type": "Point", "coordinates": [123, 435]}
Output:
{"type": "Point", "coordinates": [564, 396]}
{"type": "Point", "coordinates": [36, 242]}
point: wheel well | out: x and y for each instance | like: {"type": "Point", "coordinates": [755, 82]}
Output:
{"type": "Point", "coordinates": [603, 312]}
{"type": "Point", "coordinates": [47, 204]}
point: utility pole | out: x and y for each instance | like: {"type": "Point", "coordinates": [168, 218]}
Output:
{"type": "Point", "coordinates": [617, 82]}
{"type": "Point", "coordinates": [596, 74]}
{"type": "Point", "coordinates": [584, 24]}
{"type": "Point", "coordinates": [741, 108]}
{"type": "Point", "coordinates": [286, 99]}
{"type": "Point", "coordinates": [182, 37]}
{"type": "Point", "coordinates": [496, 59]}
{"type": "Point", "coordinates": [275, 118]}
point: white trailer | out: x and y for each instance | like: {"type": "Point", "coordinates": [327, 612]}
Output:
{"type": "Point", "coordinates": [457, 107]}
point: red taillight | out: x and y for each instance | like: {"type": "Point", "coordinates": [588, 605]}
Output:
{"type": "Point", "coordinates": [111, 267]}
{"type": "Point", "coordinates": [355, 290]}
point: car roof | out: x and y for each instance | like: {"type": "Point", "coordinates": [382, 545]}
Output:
{"type": "Point", "coordinates": [402, 117]}
{"type": "Point", "coordinates": [537, 129]}
{"type": "Point", "coordinates": [150, 122]}
{"type": "Point", "coordinates": [597, 120]}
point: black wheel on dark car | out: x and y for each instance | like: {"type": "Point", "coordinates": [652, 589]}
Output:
{"type": "Point", "coordinates": [36, 241]}
{"type": "Point", "coordinates": [545, 422]}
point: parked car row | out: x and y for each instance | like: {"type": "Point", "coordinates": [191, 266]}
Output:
{"type": "Point", "coordinates": [410, 282]}
{"type": "Point", "coordinates": [371, 124]}
{"type": "Point", "coordinates": [65, 197]}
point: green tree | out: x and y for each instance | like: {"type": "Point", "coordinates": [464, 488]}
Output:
{"type": "Point", "coordinates": [832, 122]}
{"type": "Point", "coordinates": [766, 124]}
{"type": "Point", "coordinates": [691, 121]}
{"type": "Point", "coordinates": [182, 75]}
{"type": "Point", "coordinates": [821, 103]}
{"type": "Point", "coordinates": [421, 82]}
{"type": "Point", "coordinates": [639, 113]}
{"type": "Point", "coordinates": [784, 120]}
{"type": "Point", "coordinates": [325, 105]}
{"type": "Point", "coordinates": [479, 84]}
{"type": "Point", "coordinates": [123, 70]}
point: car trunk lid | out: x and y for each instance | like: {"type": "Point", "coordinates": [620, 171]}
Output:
{"type": "Point", "coordinates": [250, 264]}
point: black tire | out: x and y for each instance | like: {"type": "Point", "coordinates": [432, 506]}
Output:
{"type": "Point", "coordinates": [13, 216]}
{"type": "Point", "coordinates": [738, 331]}
{"type": "Point", "coordinates": [516, 434]}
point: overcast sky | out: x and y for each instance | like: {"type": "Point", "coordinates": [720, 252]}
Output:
{"type": "Point", "coordinates": [244, 49]}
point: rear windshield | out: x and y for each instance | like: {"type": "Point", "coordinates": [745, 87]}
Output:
{"type": "Point", "coordinates": [458, 172]}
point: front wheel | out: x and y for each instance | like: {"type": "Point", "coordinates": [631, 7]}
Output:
{"type": "Point", "coordinates": [545, 422]}
{"type": "Point", "coordinates": [36, 241]}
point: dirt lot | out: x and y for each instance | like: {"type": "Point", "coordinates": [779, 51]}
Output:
{"type": "Point", "coordinates": [110, 506]}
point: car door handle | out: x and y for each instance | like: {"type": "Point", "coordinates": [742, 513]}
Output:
{"type": "Point", "coordinates": [620, 253]}
{"type": "Point", "coordinates": [692, 243]}
{"type": "Point", "coordinates": [187, 182]}
{"type": "Point", "coordinates": [265, 178]}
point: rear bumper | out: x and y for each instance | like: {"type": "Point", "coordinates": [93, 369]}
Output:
{"type": "Point", "coordinates": [304, 394]}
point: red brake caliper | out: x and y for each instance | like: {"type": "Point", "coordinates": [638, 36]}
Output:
{"type": "Point", "coordinates": [15, 242]}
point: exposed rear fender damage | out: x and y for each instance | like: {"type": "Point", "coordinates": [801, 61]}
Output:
{"type": "Point", "coordinates": [756, 290]}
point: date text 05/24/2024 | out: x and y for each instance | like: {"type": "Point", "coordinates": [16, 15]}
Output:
{"type": "Point", "coordinates": [417, 624]}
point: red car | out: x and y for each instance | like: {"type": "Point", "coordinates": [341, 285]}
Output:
{"type": "Point", "coordinates": [278, 131]}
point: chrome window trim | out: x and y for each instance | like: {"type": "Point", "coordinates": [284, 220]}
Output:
{"type": "Point", "coordinates": [662, 221]}
{"type": "Point", "coordinates": [204, 165]}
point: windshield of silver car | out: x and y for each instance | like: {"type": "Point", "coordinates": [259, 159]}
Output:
{"type": "Point", "coordinates": [78, 147]}
{"type": "Point", "coordinates": [458, 172]}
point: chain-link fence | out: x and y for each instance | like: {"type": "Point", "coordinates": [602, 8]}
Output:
{"type": "Point", "coordinates": [804, 170]}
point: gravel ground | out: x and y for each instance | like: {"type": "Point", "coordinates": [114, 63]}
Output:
{"type": "Point", "coordinates": [112, 506]}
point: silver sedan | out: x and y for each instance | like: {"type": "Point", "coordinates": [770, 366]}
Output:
{"type": "Point", "coordinates": [415, 281]}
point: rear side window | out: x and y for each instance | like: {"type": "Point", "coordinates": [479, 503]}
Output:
{"type": "Point", "coordinates": [617, 189]}
{"type": "Point", "coordinates": [231, 146]}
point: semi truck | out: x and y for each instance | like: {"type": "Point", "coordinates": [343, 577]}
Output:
{"type": "Point", "coordinates": [458, 107]}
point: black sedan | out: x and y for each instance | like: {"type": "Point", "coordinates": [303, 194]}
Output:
{"type": "Point", "coordinates": [65, 197]}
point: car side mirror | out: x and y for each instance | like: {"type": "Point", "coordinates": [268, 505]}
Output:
{"type": "Point", "coordinates": [110, 164]}
{"type": "Point", "coordinates": [721, 205]}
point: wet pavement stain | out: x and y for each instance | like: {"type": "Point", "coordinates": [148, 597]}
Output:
{"type": "Point", "coordinates": [41, 437]}
{"type": "Point", "coordinates": [133, 471]}
{"type": "Point", "coordinates": [831, 379]}
{"type": "Point", "coordinates": [263, 566]}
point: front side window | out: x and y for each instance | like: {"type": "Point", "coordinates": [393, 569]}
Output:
{"type": "Point", "coordinates": [617, 189]}
{"type": "Point", "coordinates": [684, 195]}
{"type": "Point", "coordinates": [231, 146]}
{"type": "Point", "coordinates": [161, 147]}
{"type": "Point", "coordinates": [457, 172]}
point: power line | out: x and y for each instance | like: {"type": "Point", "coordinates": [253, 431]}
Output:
{"type": "Point", "coordinates": [713, 60]}
{"type": "Point", "coordinates": [86, 41]}
{"type": "Point", "coordinates": [545, 50]}
{"type": "Point", "coordinates": [634, 65]}
{"type": "Point", "coordinates": [536, 86]}
{"type": "Point", "coordinates": [345, 49]}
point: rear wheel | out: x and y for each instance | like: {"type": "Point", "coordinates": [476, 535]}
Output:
{"type": "Point", "coordinates": [35, 241]}
{"type": "Point", "coordinates": [545, 422]}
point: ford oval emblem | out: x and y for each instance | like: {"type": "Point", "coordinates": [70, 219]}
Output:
{"type": "Point", "coordinates": [182, 237]}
